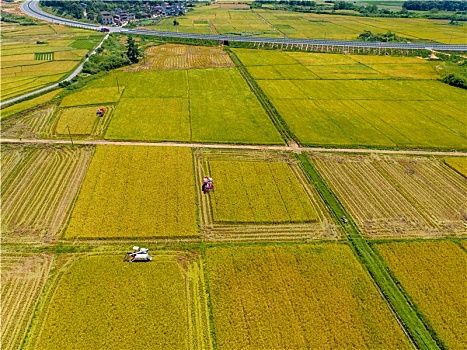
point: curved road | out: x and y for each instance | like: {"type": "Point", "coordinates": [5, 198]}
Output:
{"type": "Point", "coordinates": [31, 8]}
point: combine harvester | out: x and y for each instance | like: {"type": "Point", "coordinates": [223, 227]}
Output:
{"type": "Point", "coordinates": [138, 254]}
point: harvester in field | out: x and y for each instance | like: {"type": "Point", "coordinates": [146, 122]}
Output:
{"type": "Point", "coordinates": [138, 254]}
{"type": "Point", "coordinates": [100, 112]}
{"type": "Point", "coordinates": [208, 185]}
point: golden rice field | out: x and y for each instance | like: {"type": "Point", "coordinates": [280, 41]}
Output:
{"type": "Point", "coordinates": [23, 277]}
{"type": "Point", "coordinates": [264, 192]}
{"type": "Point", "coordinates": [296, 297]}
{"type": "Point", "coordinates": [122, 303]}
{"type": "Point", "coordinates": [259, 196]}
{"type": "Point", "coordinates": [398, 196]}
{"type": "Point", "coordinates": [36, 56]}
{"type": "Point", "coordinates": [173, 56]}
{"type": "Point", "coordinates": [134, 191]}
{"type": "Point", "coordinates": [458, 164]}
{"type": "Point", "coordinates": [82, 121]}
{"type": "Point", "coordinates": [39, 184]}
{"type": "Point", "coordinates": [433, 274]}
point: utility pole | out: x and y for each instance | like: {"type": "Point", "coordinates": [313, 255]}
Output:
{"type": "Point", "coordinates": [69, 133]}
{"type": "Point", "coordinates": [118, 86]}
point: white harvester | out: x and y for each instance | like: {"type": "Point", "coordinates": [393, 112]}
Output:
{"type": "Point", "coordinates": [138, 254]}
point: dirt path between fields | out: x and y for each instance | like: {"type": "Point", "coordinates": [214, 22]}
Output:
{"type": "Point", "coordinates": [293, 147]}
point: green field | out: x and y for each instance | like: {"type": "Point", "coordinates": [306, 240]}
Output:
{"type": "Point", "coordinates": [205, 105]}
{"type": "Point", "coordinates": [136, 192]}
{"type": "Point", "coordinates": [355, 104]}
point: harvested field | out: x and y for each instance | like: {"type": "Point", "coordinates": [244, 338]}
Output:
{"type": "Point", "coordinates": [297, 297]}
{"type": "Point", "coordinates": [398, 196]}
{"type": "Point", "coordinates": [173, 56]}
{"type": "Point", "coordinates": [23, 277]}
{"type": "Point", "coordinates": [243, 209]}
{"type": "Point", "coordinates": [167, 308]}
{"type": "Point", "coordinates": [434, 275]}
{"type": "Point", "coordinates": [32, 124]}
{"type": "Point", "coordinates": [132, 191]}
{"type": "Point", "coordinates": [39, 185]}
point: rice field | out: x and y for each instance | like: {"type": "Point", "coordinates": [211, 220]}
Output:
{"type": "Point", "coordinates": [398, 196]}
{"type": "Point", "coordinates": [204, 105]}
{"type": "Point", "coordinates": [133, 191]}
{"type": "Point", "coordinates": [23, 278]}
{"type": "Point", "coordinates": [433, 273]}
{"type": "Point", "coordinates": [173, 56]}
{"type": "Point", "coordinates": [259, 196]}
{"type": "Point", "coordinates": [296, 296]}
{"type": "Point", "coordinates": [82, 121]}
{"type": "Point", "coordinates": [458, 164]}
{"type": "Point", "coordinates": [264, 192]}
{"type": "Point", "coordinates": [39, 185]}
{"type": "Point", "coordinates": [36, 56]}
{"type": "Point", "coordinates": [150, 302]}
{"type": "Point", "coordinates": [360, 101]}
{"type": "Point", "coordinates": [23, 106]}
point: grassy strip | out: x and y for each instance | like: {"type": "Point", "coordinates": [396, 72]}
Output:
{"type": "Point", "coordinates": [276, 119]}
{"type": "Point", "coordinates": [414, 323]}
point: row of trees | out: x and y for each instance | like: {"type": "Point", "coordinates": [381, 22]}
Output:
{"type": "Point", "coordinates": [438, 5]}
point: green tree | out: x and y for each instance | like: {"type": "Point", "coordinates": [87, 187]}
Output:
{"type": "Point", "coordinates": [133, 52]}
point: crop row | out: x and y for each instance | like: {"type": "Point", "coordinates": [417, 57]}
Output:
{"type": "Point", "coordinates": [39, 190]}
{"type": "Point", "coordinates": [23, 277]}
{"type": "Point", "coordinates": [172, 56]}
{"type": "Point", "coordinates": [398, 195]}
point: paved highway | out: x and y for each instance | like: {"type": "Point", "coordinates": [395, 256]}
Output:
{"type": "Point", "coordinates": [31, 8]}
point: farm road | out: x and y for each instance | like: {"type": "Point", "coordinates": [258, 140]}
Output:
{"type": "Point", "coordinates": [294, 147]}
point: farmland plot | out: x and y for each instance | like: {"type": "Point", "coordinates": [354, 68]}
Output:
{"type": "Point", "coordinates": [334, 100]}
{"type": "Point", "coordinates": [458, 164]}
{"type": "Point", "coordinates": [433, 273]}
{"type": "Point", "coordinates": [206, 105]}
{"type": "Point", "coordinates": [23, 277]}
{"type": "Point", "coordinates": [153, 303]}
{"type": "Point", "coordinates": [81, 121]}
{"type": "Point", "coordinates": [259, 196]}
{"type": "Point", "coordinates": [33, 124]}
{"type": "Point", "coordinates": [133, 191]}
{"type": "Point", "coordinates": [38, 188]}
{"type": "Point", "coordinates": [172, 56]}
{"type": "Point", "coordinates": [40, 55]}
{"type": "Point", "coordinates": [296, 297]}
{"type": "Point", "coordinates": [92, 97]}
{"type": "Point", "coordinates": [398, 196]}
